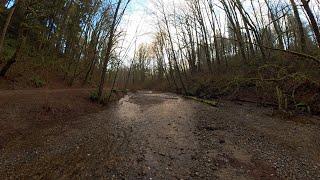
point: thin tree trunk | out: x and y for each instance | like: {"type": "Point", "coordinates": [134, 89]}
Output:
{"type": "Point", "coordinates": [114, 81]}
{"type": "Point", "coordinates": [234, 22]}
{"type": "Point", "coordinates": [6, 25]}
{"type": "Point", "coordinates": [312, 19]}
{"type": "Point", "coordinates": [174, 54]}
{"type": "Point", "coordinates": [302, 37]}
{"type": "Point", "coordinates": [275, 25]}
{"type": "Point", "coordinates": [12, 60]}
{"type": "Point", "coordinates": [108, 52]}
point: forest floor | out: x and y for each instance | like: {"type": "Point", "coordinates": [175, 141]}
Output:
{"type": "Point", "coordinates": [149, 135]}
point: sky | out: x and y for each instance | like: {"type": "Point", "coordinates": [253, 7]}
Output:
{"type": "Point", "coordinates": [139, 23]}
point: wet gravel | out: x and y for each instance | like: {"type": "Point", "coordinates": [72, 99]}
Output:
{"type": "Point", "coordinates": [163, 136]}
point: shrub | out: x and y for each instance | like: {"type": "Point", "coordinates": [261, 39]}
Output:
{"type": "Point", "coordinates": [37, 82]}
{"type": "Point", "coordinates": [95, 98]}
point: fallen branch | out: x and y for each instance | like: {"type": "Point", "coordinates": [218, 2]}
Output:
{"type": "Point", "coordinates": [254, 102]}
{"type": "Point", "coordinates": [307, 56]}
{"type": "Point", "coordinates": [209, 102]}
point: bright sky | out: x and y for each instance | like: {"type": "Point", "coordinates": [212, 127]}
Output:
{"type": "Point", "coordinates": [140, 23]}
{"type": "Point", "coordinates": [137, 23]}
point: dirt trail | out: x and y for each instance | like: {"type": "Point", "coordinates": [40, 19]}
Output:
{"type": "Point", "coordinates": [163, 136]}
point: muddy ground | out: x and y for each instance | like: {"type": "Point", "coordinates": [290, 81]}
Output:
{"type": "Point", "coordinates": [164, 136]}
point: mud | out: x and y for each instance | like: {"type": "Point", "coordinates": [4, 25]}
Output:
{"type": "Point", "coordinates": [150, 135]}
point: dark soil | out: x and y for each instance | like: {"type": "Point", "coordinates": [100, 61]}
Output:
{"type": "Point", "coordinates": [24, 111]}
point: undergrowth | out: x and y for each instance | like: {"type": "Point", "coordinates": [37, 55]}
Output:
{"type": "Point", "coordinates": [37, 82]}
{"type": "Point", "coordinates": [289, 86]}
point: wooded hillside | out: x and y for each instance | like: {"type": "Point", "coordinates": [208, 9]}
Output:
{"type": "Point", "coordinates": [259, 51]}
{"type": "Point", "coordinates": [267, 51]}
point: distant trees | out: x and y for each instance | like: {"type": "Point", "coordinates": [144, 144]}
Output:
{"type": "Point", "coordinates": [196, 38]}
{"type": "Point", "coordinates": [206, 36]}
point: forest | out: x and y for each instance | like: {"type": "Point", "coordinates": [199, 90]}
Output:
{"type": "Point", "coordinates": [64, 59]}
{"type": "Point", "coordinates": [265, 50]}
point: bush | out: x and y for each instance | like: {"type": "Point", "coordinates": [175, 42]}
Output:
{"type": "Point", "coordinates": [95, 98]}
{"type": "Point", "coordinates": [37, 82]}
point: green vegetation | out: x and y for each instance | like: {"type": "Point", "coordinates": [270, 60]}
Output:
{"type": "Point", "coordinates": [37, 82]}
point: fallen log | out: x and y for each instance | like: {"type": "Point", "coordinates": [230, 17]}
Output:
{"type": "Point", "coordinates": [205, 101]}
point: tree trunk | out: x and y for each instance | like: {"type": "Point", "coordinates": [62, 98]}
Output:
{"type": "Point", "coordinates": [302, 37]}
{"type": "Point", "coordinates": [6, 25]}
{"type": "Point", "coordinates": [174, 54]}
{"type": "Point", "coordinates": [275, 25]}
{"type": "Point", "coordinates": [234, 22]}
{"type": "Point", "coordinates": [108, 52]}
{"type": "Point", "coordinates": [10, 62]}
{"type": "Point", "coordinates": [312, 19]}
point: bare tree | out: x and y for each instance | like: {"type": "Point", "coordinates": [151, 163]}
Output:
{"type": "Point", "coordinates": [113, 28]}
{"type": "Point", "coordinates": [302, 37]}
{"type": "Point", "coordinates": [313, 22]}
